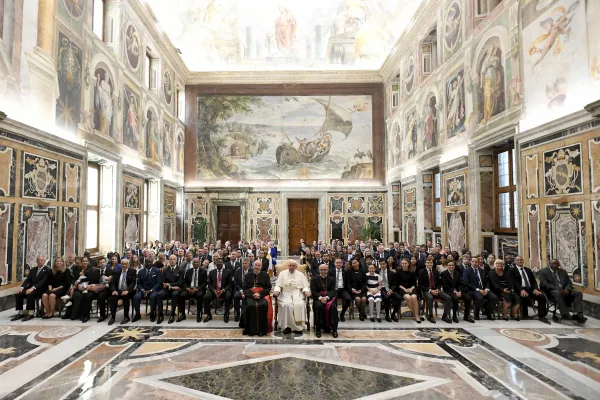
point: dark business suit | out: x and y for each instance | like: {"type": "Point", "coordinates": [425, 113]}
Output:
{"type": "Point", "coordinates": [115, 286]}
{"type": "Point", "coordinates": [148, 279]}
{"type": "Point", "coordinates": [238, 288]}
{"type": "Point", "coordinates": [343, 290]}
{"type": "Point", "coordinates": [388, 285]}
{"type": "Point", "coordinates": [425, 286]}
{"type": "Point", "coordinates": [552, 283]}
{"type": "Point", "coordinates": [265, 264]}
{"type": "Point", "coordinates": [37, 279]}
{"type": "Point", "coordinates": [452, 283]}
{"type": "Point", "coordinates": [200, 284]}
{"type": "Point", "coordinates": [174, 277]}
{"type": "Point", "coordinates": [314, 266]}
{"type": "Point", "coordinates": [234, 265]}
{"type": "Point", "coordinates": [324, 287]}
{"type": "Point", "coordinates": [474, 284]}
{"type": "Point", "coordinates": [211, 289]}
{"type": "Point", "coordinates": [529, 285]}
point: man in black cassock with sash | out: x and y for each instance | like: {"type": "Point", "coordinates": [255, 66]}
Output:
{"type": "Point", "coordinates": [258, 311]}
{"type": "Point", "coordinates": [323, 291]}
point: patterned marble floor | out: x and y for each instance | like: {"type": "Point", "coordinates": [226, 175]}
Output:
{"type": "Point", "coordinates": [58, 359]}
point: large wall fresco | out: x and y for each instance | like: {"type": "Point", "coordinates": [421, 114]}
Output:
{"type": "Point", "coordinates": [562, 222]}
{"type": "Point", "coordinates": [284, 137]}
{"type": "Point", "coordinates": [40, 185]}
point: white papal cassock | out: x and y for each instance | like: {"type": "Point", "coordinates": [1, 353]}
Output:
{"type": "Point", "coordinates": [292, 306]}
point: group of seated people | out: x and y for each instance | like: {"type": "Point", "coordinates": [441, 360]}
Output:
{"type": "Point", "coordinates": [240, 276]}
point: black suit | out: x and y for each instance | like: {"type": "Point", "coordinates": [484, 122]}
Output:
{"type": "Point", "coordinates": [115, 286]}
{"type": "Point", "coordinates": [324, 287]}
{"type": "Point", "coordinates": [426, 285]}
{"type": "Point", "coordinates": [342, 292]}
{"type": "Point", "coordinates": [265, 264]}
{"type": "Point", "coordinates": [452, 284]}
{"type": "Point", "coordinates": [385, 297]}
{"type": "Point", "coordinates": [238, 283]}
{"type": "Point", "coordinates": [211, 290]}
{"type": "Point", "coordinates": [174, 277]}
{"type": "Point", "coordinates": [528, 285]}
{"type": "Point", "coordinates": [37, 279]}
{"type": "Point", "coordinates": [553, 282]}
{"type": "Point", "coordinates": [233, 265]}
{"type": "Point", "coordinates": [200, 284]}
{"type": "Point", "coordinates": [471, 280]}
{"type": "Point", "coordinates": [314, 266]}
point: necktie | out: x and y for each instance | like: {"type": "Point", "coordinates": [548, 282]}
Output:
{"type": "Point", "coordinates": [526, 283]}
{"type": "Point", "coordinates": [195, 279]}
{"type": "Point", "coordinates": [479, 277]}
{"type": "Point", "coordinates": [557, 277]}
{"type": "Point", "coordinates": [384, 279]}
{"type": "Point", "coordinates": [219, 279]}
{"type": "Point", "coordinates": [122, 284]}
{"type": "Point", "coordinates": [431, 285]}
{"type": "Point", "coordinates": [337, 279]}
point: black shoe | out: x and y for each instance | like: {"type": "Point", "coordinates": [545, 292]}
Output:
{"type": "Point", "coordinates": [318, 334]}
{"type": "Point", "coordinates": [171, 319]}
{"type": "Point", "coordinates": [361, 317]}
{"type": "Point", "coordinates": [388, 319]}
{"type": "Point", "coordinates": [491, 317]}
{"type": "Point", "coordinates": [226, 318]}
{"type": "Point", "coordinates": [66, 316]}
{"type": "Point", "coordinates": [287, 331]}
{"type": "Point", "coordinates": [455, 319]}
{"type": "Point", "coordinates": [431, 319]}
{"type": "Point", "coordinates": [102, 318]}
{"type": "Point", "coordinates": [379, 320]}
{"type": "Point", "coordinates": [580, 318]}
{"type": "Point", "coordinates": [469, 319]}
{"type": "Point", "coordinates": [111, 321]}
{"type": "Point", "coordinates": [422, 318]}
{"type": "Point", "coordinates": [512, 317]}
{"type": "Point", "coordinates": [125, 321]}
{"type": "Point", "coordinates": [372, 319]}
{"type": "Point", "coordinates": [566, 316]}
{"type": "Point", "coordinates": [394, 318]}
{"type": "Point", "coordinates": [342, 319]}
{"type": "Point", "coordinates": [17, 317]}
{"type": "Point", "coordinates": [152, 317]}
{"type": "Point", "coordinates": [476, 317]}
{"type": "Point", "coordinates": [45, 317]}
{"type": "Point", "coordinates": [208, 317]}
{"type": "Point", "coordinates": [199, 318]}
{"type": "Point", "coordinates": [418, 321]}
{"type": "Point", "coordinates": [236, 318]}
{"type": "Point", "coordinates": [181, 318]}
{"type": "Point", "coordinates": [136, 318]}
{"type": "Point", "coordinates": [506, 319]}
{"type": "Point", "coordinates": [334, 334]}
{"type": "Point", "coordinates": [298, 333]}
{"type": "Point", "coordinates": [544, 320]}
{"type": "Point", "coordinates": [85, 319]}
{"type": "Point", "coordinates": [446, 318]}
{"type": "Point", "coordinates": [28, 317]}
{"type": "Point", "coordinates": [160, 319]}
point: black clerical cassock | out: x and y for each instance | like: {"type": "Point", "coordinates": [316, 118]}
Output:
{"type": "Point", "coordinates": [326, 316]}
{"type": "Point", "coordinates": [256, 320]}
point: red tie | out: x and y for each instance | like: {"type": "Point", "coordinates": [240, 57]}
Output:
{"type": "Point", "coordinates": [218, 280]}
{"type": "Point", "coordinates": [431, 285]}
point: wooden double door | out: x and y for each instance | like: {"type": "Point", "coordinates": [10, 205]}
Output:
{"type": "Point", "coordinates": [229, 224]}
{"type": "Point", "coordinates": [303, 223]}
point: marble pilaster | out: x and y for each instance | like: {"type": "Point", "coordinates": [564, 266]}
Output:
{"type": "Point", "coordinates": [155, 208]}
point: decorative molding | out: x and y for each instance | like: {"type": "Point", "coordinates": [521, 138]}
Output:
{"type": "Point", "coordinates": [286, 77]}
{"type": "Point", "coordinates": [430, 162]}
{"type": "Point", "coordinates": [494, 136]}
{"type": "Point", "coordinates": [408, 180]}
{"type": "Point", "coordinates": [455, 164]}
{"type": "Point", "coordinates": [555, 128]}
{"type": "Point", "coordinates": [593, 108]}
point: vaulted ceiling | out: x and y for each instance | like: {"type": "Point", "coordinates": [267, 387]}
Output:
{"type": "Point", "coordinates": [271, 35]}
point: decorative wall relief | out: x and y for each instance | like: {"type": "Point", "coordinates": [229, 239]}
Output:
{"type": "Point", "coordinates": [396, 210]}
{"type": "Point", "coordinates": [455, 104]}
{"type": "Point", "coordinates": [594, 154]}
{"type": "Point", "coordinates": [566, 239]}
{"type": "Point", "coordinates": [452, 29]}
{"type": "Point", "coordinates": [169, 207]}
{"type": "Point", "coordinates": [75, 8]}
{"type": "Point", "coordinates": [486, 161]}
{"type": "Point", "coordinates": [68, 68]}
{"type": "Point", "coordinates": [131, 228]}
{"type": "Point", "coordinates": [70, 231]}
{"type": "Point", "coordinates": [562, 171]}
{"type": "Point", "coordinates": [7, 171]}
{"type": "Point", "coordinates": [408, 76]}
{"type": "Point", "coordinates": [356, 205]}
{"type": "Point", "coordinates": [133, 47]}
{"type": "Point", "coordinates": [336, 204]}
{"type": "Point", "coordinates": [263, 229]}
{"type": "Point", "coordinates": [38, 236]}
{"type": "Point", "coordinates": [167, 87]}
{"type": "Point", "coordinates": [429, 217]}
{"type": "Point", "coordinates": [6, 241]}
{"type": "Point", "coordinates": [369, 210]}
{"type": "Point", "coordinates": [596, 241]}
{"type": "Point", "coordinates": [375, 204]}
{"type": "Point", "coordinates": [131, 195]}
{"type": "Point", "coordinates": [355, 226]}
{"type": "Point", "coordinates": [486, 200]}
{"type": "Point", "coordinates": [508, 245]}
{"type": "Point", "coordinates": [535, 239]}
{"type": "Point", "coordinates": [456, 191]}
{"type": "Point", "coordinates": [71, 182]}
{"type": "Point", "coordinates": [531, 177]}
{"type": "Point", "coordinates": [456, 230]}
{"type": "Point", "coordinates": [263, 217]}
{"type": "Point", "coordinates": [410, 200]}
{"type": "Point", "coordinates": [40, 176]}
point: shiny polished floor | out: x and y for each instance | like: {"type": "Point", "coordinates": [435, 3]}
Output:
{"type": "Point", "coordinates": [55, 359]}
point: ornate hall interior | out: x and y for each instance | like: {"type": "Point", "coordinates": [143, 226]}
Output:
{"type": "Point", "coordinates": [282, 199]}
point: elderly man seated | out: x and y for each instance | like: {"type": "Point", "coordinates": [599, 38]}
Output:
{"type": "Point", "coordinates": [290, 289]}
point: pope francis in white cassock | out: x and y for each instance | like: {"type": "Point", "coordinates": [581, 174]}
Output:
{"type": "Point", "coordinates": [290, 289]}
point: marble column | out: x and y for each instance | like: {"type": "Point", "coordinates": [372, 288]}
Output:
{"type": "Point", "coordinates": [474, 207]}
{"type": "Point", "coordinates": [109, 213]}
{"type": "Point", "coordinates": [420, 209]}
{"type": "Point", "coordinates": [44, 80]}
{"type": "Point", "coordinates": [155, 208]}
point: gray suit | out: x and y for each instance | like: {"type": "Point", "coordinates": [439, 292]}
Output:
{"type": "Point", "coordinates": [552, 284]}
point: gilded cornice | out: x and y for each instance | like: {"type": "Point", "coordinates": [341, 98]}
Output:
{"type": "Point", "coordinates": [289, 77]}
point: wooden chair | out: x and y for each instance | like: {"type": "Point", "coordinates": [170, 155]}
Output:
{"type": "Point", "coordinates": [301, 268]}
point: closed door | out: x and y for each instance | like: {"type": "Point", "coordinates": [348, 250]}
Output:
{"type": "Point", "coordinates": [228, 224]}
{"type": "Point", "coordinates": [303, 222]}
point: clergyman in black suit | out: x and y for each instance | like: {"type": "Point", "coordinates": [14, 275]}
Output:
{"type": "Point", "coordinates": [323, 292]}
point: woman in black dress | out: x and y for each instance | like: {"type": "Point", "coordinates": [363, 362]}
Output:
{"type": "Point", "coordinates": [406, 287]}
{"type": "Point", "coordinates": [59, 283]}
{"type": "Point", "coordinates": [500, 283]}
{"type": "Point", "coordinates": [358, 288]}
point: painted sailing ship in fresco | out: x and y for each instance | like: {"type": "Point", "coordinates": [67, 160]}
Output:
{"type": "Point", "coordinates": [315, 149]}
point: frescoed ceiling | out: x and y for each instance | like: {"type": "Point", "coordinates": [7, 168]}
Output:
{"type": "Point", "coordinates": [265, 35]}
